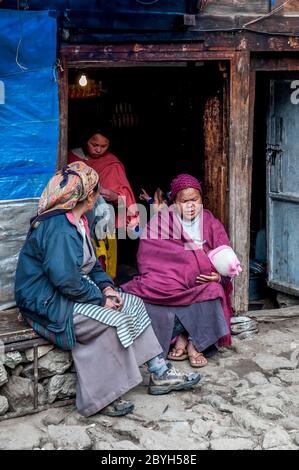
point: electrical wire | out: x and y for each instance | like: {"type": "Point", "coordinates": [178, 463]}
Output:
{"type": "Point", "coordinates": [22, 67]}
{"type": "Point", "coordinates": [293, 34]}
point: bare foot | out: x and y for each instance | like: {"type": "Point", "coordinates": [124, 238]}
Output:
{"type": "Point", "coordinates": [179, 351]}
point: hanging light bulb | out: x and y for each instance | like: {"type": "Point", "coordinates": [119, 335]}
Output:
{"type": "Point", "coordinates": [83, 80]}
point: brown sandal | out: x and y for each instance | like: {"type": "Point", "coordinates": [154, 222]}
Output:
{"type": "Point", "coordinates": [180, 357]}
{"type": "Point", "coordinates": [193, 358]}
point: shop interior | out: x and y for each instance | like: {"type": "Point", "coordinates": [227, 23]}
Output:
{"type": "Point", "coordinates": [155, 116]}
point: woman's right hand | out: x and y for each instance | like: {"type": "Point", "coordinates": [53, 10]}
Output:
{"type": "Point", "coordinates": [214, 277]}
{"type": "Point", "coordinates": [111, 304]}
{"type": "Point", "coordinates": [159, 203]}
{"type": "Point", "coordinates": [108, 194]}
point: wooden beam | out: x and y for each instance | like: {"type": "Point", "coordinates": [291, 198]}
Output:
{"type": "Point", "coordinates": [242, 98]}
{"type": "Point", "coordinates": [119, 54]}
{"type": "Point", "coordinates": [216, 154]}
{"type": "Point", "coordinates": [20, 345]}
{"type": "Point", "coordinates": [63, 113]}
{"type": "Point", "coordinates": [124, 20]}
{"type": "Point", "coordinates": [270, 63]}
{"type": "Point", "coordinates": [13, 328]}
{"type": "Point", "coordinates": [236, 7]}
{"type": "Point", "coordinates": [290, 8]}
{"type": "Point", "coordinates": [211, 41]}
{"type": "Point", "coordinates": [254, 42]}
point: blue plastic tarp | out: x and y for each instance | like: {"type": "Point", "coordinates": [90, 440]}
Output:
{"type": "Point", "coordinates": [29, 111]}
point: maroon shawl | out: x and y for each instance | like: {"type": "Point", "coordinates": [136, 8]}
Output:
{"type": "Point", "coordinates": [168, 270]}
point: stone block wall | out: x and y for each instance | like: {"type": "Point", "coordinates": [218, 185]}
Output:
{"type": "Point", "coordinates": [56, 378]}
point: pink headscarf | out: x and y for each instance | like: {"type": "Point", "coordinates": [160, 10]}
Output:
{"type": "Point", "coordinates": [181, 182]}
{"type": "Point", "coordinates": [68, 187]}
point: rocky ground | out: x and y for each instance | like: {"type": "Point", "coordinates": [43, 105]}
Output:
{"type": "Point", "coordinates": [248, 399]}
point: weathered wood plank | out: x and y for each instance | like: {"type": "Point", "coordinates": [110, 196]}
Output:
{"type": "Point", "coordinates": [216, 158]}
{"type": "Point", "coordinates": [274, 314]}
{"type": "Point", "coordinates": [13, 328]}
{"type": "Point", "coordinates": [241, 136]}
{"type": "Point", "coordinates": [265, 63]}
{"type": "Point", "coordinates": [29, 411]}
{"type": "Point", "coordinates": [114, 54]}
{"type": "Point", "coordinates": [63, 113]}
{"type": "Point", "coordinates": [254, 42]}
{"type": "Point", "coordinates": [22, 345]}
{"type": "Point", "coordinates": [208, 38]}
{"type": "Point", "coordinates": [236, 7]}
{"type": "Point", "coordinates": [290, 8]}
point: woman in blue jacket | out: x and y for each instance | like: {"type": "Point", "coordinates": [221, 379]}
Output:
{"type": "Point", "coordinates": [65, 296]}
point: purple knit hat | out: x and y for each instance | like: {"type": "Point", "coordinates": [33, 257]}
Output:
{"type": "Point", "coordinates": [181, 182]}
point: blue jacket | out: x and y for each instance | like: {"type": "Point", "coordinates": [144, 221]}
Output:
{"type": "Point", "coordinates": [48, 277]}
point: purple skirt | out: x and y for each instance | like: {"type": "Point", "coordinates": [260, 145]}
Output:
{"type": "Point", "coordinates": [204, 322]}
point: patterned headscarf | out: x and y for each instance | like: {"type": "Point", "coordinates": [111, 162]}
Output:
{"type": "Point", "coordinates": [69, 186]}
{"type": "Point", "coordinates": [181, 182]}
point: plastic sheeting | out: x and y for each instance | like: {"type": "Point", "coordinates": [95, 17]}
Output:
{"type": "Point", "coordinates": [29, 112]}
{"type": "Point", "coordinates": [14, 225]}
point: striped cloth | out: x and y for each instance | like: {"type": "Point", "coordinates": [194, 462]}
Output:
{"type": "Point", "coordinates": [64, 340]}
{"type": "Point", "coordinates": [129, 322]}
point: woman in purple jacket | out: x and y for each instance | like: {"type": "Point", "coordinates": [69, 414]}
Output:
{"type": "Point", "coordinates": [184, 295]}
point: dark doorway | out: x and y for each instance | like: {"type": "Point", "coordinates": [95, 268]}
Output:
{"type": "Point", "coordinates": [155, 113]}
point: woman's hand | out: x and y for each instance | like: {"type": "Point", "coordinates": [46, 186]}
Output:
{"type": "Point", "coordinates": [108, 195]}
{"type": "Point", "coordinates": [214, 277]}
{"type": "Point", "coordinates": [144, 196]}
{"type": "Point", "coordinates": [159, 202]}
{"type": "Point", "coordinates": [110, 292]}
{"type": "Point", "coordinates": [111, 304]}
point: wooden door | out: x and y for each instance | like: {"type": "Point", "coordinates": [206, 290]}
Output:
{"type": "Point", "coordinates": [283, 186]}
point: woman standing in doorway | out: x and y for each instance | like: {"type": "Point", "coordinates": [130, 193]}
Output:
{"type": "Point", "coordinates": [115, 189]}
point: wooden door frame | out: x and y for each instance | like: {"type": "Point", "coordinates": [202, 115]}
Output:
{"type": "Point", "coordinates": [240, 124]}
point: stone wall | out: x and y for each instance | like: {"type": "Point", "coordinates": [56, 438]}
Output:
{"type": "Point", "coordinates": [56, 378]}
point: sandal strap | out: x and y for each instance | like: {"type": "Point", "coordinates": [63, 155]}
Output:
{"type": "Point", "coordinates": [196, 355]}
{"type": "Point", "coordinates": [179, 352]}
{"type": "Point", "coordinates": [184, 350]}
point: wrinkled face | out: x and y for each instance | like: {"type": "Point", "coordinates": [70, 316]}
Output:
{"type": "Point", "coordinates": [97, 145]}
{"type": "Point", "coordinates": [189, 203]}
